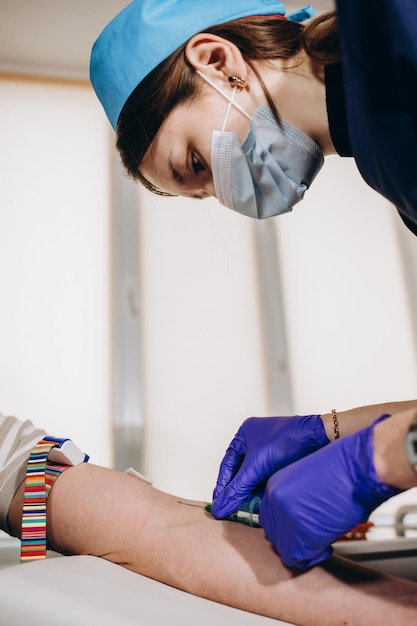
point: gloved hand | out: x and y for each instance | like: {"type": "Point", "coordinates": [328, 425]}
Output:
{"type": "Point", "coordinates": [311, 503]}
{"type": "Point", "coordinates": [261, 446]}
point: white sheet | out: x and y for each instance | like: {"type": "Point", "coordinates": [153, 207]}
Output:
{"type": "Point", "coordinates": [88, 591]}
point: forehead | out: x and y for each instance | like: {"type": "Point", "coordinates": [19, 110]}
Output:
{"type": "Point", "coordinates": [188, 127]}
{"type": "Point", "coordinates": [157, 166]}
{"type": "Point", "coordinates": [156, 161]}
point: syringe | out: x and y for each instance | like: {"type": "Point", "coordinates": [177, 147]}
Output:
{"type": "Point", "coordinates": [244, 515]}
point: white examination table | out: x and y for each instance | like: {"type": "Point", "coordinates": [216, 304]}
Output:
{"type": "Point", "coordinates": [88, 591]}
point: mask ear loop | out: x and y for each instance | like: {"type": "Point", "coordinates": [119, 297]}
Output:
{"type": "Point", "coordinates": [229, 107]}
{"type": "Point", "coordinates": [230, 99]}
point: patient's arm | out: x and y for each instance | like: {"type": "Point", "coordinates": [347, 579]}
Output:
{"type": "Point", "coordinates": [93, 510]}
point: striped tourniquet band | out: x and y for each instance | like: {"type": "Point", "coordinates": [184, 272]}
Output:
{"type": "Point", "coordinates": [40, 476]}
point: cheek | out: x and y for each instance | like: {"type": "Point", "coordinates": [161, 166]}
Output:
{"type": "Point", "coordinates": [241, 128]}
{"type": "Point", "coordinates": [201, 142]}
{"type": "Point", "coordinates": [206, 150]}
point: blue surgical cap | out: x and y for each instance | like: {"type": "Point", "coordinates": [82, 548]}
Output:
{"type": "Point", "coordinates": [146, 32]}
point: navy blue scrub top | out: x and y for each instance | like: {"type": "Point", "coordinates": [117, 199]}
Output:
{"type": "Point", "coordinates": [379, 68]}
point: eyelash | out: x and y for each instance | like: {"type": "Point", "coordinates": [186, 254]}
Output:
{"type": "Point", "coordinates": [196, 165]}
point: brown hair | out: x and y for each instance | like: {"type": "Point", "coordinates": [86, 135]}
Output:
{"type": "Point", "coordinates": [174, 81]}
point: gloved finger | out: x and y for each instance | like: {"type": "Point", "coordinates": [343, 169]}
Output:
{"type": "Point", "coordinates": [254, 471]}
{"type": "Point", "coordinates": [227, 502]}
{"type": "Point", "coordinates": [241, 488]}
{"type": "Point", "coordinates": [230, 464]}
{"type": "Point", "coordinates": [228, 469]}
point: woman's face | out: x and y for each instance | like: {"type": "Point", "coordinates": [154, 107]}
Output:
{"type": "Point", "coordinates": [178, 160]}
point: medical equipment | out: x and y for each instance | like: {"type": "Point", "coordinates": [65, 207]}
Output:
{"type": "Point", "coordinates": [270, 171]}
{"type": "Point", "coordinates": [66, 452]}
{"type": "Point", "coordinates": [247, 514]}
{"type": "Point", "coordinates": [41, 473]}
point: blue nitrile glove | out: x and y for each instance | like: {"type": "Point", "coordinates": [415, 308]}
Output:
{"type": "Point", "coordinates": [311, 503]}
{"type": "Point", "coordinates": [261, 446]}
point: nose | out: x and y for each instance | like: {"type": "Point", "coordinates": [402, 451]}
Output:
{"type": "Point", "coordinates": [205, 190]}
{"type": "Point", "coordinates": [209, 189]}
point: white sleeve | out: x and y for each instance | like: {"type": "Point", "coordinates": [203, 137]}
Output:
{"type": "Point", "coordinates": [17, 439]}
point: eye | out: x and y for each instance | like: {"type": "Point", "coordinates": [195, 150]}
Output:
{"type": "Point", "coordinates": [196, 165]}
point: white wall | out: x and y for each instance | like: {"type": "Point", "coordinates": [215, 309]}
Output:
{"type": "Point", "coordinates": [202, 354]}
{"type": "Point", "coordinates": [54, 262]}
{"type": "Point", "coordinates": [350, 332]}
{"type": "Point", "coordinates": [348, 276]}
{"type": "Point", "coordinates": [351, 335]}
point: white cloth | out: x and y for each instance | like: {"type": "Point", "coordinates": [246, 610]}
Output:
{"type": "Point", "coordinates": [86, 590]}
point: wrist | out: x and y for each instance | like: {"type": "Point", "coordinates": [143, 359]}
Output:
{"type": "Point", "coordinates": [331, 425]}
{"type": "Point", "coordinates": [317, 436]}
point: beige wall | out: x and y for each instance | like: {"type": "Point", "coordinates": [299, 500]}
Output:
{"type": "Point", "coordinates": [350, 332]}
{"type": "Point", "coordinates": [54, 262]}
{"type": "Point", "coordinates": [202, 353]}
{"type": "Point", "coordinates": [352, 335]}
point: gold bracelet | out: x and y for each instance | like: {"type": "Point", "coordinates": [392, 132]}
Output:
{"type": "Point", "coordinates": [335, 424]}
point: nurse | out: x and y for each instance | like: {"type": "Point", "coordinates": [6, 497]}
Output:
{"type": "Point", "coordinates": [234, 100]}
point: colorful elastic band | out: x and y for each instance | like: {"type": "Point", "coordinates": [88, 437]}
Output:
{"type": "Point", "coordinates": [40, 476]}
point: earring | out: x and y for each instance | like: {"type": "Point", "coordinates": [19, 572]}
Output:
{"type": "Point", "coordinates": [238, 81]}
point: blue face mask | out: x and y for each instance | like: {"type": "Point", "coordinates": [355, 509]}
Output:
{"type": "Point", "coordinates": [270, 171]}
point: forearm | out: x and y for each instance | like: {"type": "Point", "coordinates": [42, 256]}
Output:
{"type": "Point", "coordinates": [354, 419]}
{"type": "Point", "coordinates": [96, 511]}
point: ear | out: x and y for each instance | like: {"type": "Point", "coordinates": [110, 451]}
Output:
{"type": "Point", "coordinates": [215, 57]}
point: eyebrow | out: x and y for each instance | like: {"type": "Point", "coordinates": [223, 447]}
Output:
{"type": "Point", "coordinates": [175, 175]}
